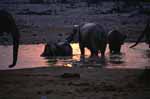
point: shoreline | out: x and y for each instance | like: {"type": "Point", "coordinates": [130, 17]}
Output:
{"type": "Point", "coordinates": [92, 83]}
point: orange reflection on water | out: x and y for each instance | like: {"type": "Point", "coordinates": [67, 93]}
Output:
{"type": "Point", "coordinates": [28, 56]}
{"type": "Point", "coordinates": [68, 65]}
{"type": "Point", "coordinates": [76, 51]}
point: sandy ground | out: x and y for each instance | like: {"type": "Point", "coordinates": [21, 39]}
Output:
{"type": "Point", "coordinates": [74, 83]}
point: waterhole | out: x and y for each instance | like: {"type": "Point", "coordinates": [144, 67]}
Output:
{"type": "Point", "coordinates": [29, 57]}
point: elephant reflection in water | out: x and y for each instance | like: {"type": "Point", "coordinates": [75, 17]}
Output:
{"type": "Point", "coordinates": [145, 33]}
{"type": "Point", "coordinates": [7, 24]}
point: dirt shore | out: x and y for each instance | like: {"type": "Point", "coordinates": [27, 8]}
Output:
{"type": "Point", "coordinates": [73, 83]}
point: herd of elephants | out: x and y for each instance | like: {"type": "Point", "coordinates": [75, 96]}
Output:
{"type": "Point", "coordinates": [90, 35]}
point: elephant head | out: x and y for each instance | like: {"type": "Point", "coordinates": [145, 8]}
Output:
{"type": "Point", "coordinates": [49, 50]}
{"type": "Point", "coordinates": [115, 40]}
{"type": "Point", "coordinates": [57, 49]}
{"type": "Point", "coordinates": [7, 24]}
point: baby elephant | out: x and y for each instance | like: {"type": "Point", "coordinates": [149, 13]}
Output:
{"type": "Point", "coordinates": [115, 40]}
{"type": "Point", "coordinates": [57, 49]}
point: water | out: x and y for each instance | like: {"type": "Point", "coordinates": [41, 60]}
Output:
{"type": "Point", "coordinates": [29, 57]}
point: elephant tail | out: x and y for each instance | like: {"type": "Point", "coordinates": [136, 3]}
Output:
{"type": "Point", "coordinates": [16, 37]}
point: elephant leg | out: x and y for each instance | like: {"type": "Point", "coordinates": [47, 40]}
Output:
{"type": "Point", "coordinates": [81, 49]}
{"type": "Point", "coordinates": [68, 50]}
{"type": "Point", "coordinates": [16, 36]}
{"type": "Point", "coordinates": [110, 48]}
{"type": "Point", "coordinates": [94, 52]}
{"type": "Point", "coordinates": [103, 49]}
{"type": "Point", "coordinates": [118, 49]}
{"type": "Point", "coordinates": [93, 47]}
{"type": "Point", "coordinates": [102, 53]}
{"type": "Point", "coordinates": [114, 48]}
{"type": "Point", "coordinates": [15, 53]}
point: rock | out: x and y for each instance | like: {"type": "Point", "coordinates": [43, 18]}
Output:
{"type": "Point", "coordinates": [70, 75]}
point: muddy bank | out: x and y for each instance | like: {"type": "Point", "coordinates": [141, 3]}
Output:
{"type": "Point", "coordinates": [93, 83]}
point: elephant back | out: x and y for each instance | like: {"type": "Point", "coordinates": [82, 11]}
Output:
{"type": "Point", "coordinates": [93, 30]}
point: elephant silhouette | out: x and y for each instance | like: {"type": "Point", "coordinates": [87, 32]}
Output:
{"type": "Point", "coordinates": [58, 48]}
{"type": "Point", "coordinates": [91, 36]}
{"type": "Point", "coordinates": [7, 24]}
{"type": "Point", "coordinates": [115, 41]}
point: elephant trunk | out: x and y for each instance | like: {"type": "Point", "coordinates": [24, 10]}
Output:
{"type": "Point", "coordinates": [15, 36]}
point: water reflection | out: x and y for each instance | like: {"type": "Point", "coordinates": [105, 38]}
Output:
{"type": "Point", "coordinates": [147, 53]}
{"type": "Point", "coordinates": [29, 57]}
{"type": "Point", "coordinates": [117, 58]}
{"type": "Point", "coordinates": [133, 58]}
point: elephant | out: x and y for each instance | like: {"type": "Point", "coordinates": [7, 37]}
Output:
{"type": "Point", "coordinates": [8, 24]}
{"type": "Point", "coordinates": [59, 48]}
{"type": "Point", "coordinates": [145, 33]}
{"type": "Point", "coordinates": [91, 36]}
{"type": "Point", "coordinates": [56, 49]}
{"type": "Point", "coordinates": [115, 41]}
